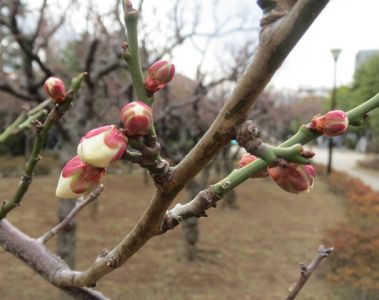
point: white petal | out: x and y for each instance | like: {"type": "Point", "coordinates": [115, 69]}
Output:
{"type": "Point", "coordinates": [95, 152]}
{"type": "Point", "coordinates": [64, 189]}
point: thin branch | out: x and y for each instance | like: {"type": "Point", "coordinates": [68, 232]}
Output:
{"type": "Point", "coordinates": [6, 87]}
{"type": "Point", "coordinates": [40, 20]}
{"type": "Point", "coordinates": [80, 204]}
{"type": "Point", "coordinates": [39, 141]}
{"type": "Point", "coordinates": [13, 128]}
{"type": "Point", "coordinates": [306, 272]}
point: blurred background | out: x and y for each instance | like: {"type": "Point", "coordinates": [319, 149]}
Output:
{"type": "Point", "coordinates": [250, 247]}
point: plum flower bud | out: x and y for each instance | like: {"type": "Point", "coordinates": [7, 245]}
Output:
{"type": "Point", "coordinates": [159, 75]}
{"type": "Point", "coordinates": [54, 87]}
{"type": "Point", "coordinates": [248, 158]}
{"type": "Point", "coordinates": [101, 146]}
{"type": "Point", "coordinates": [333, 123]}
{"type": "Point", "coordinates": [137, 118]}
{"type": "Point", "coordinates": [78, 178]}
{"type": "Point", "coordinates": [293, 178]}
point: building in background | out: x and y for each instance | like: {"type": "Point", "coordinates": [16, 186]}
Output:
{"type": "Point", "coordinates": [363, 55]}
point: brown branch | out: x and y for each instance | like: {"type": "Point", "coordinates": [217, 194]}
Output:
{"type": "Point", "coordinates": [5, 87]}
{"type": "Point", "coordinates": [40, 259]}
{"type": "Point", "coordinates": [90, 61]}
{"type": "Point", "coordinates": [306, 272]}
{"type": "Point", "coordinates": [40, 20]}
{"type": "Point", "coordinates": [276, 42]}
{"type": "Point", "coordinates": [194, 208]}
{"type": "Point", "coordinates": [80, 204]}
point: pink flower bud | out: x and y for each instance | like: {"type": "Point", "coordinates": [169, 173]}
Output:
{"type": "Point", "coordinates": [54, 87]}
{"type": "Point", "coordinates": [332, 123]}
{"type": "Point", "coordinates": [159, 75]}
{"type": "Point", "coordinates": [78, 178]}
{"type": "Point", "coordinates": [101, 146]}
{"type": "Point", "coordinates": [293, 178]}
{"type": "Point", "coordinates": [137, 118]}
{"type": "Point", "coordinates": [248, 158]}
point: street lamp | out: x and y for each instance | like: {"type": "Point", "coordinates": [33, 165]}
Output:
{"type": "Point", "coordinates": [336, 54]}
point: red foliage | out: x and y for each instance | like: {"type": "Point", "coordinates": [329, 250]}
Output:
{"type": "Point", "coordinates": [355, 262]}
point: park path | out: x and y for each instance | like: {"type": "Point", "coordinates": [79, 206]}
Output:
{"type": "Point", "coordinates": [346, 160]}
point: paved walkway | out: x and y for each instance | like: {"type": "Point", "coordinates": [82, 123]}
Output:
{"type": "Point", "coordinates": [346, 160]}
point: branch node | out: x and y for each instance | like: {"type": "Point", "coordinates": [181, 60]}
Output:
{"type": "Point", "coordinates": [248, 136]}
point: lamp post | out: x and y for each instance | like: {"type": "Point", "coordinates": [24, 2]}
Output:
{"type": "Point", "coordinates": [336, 54]}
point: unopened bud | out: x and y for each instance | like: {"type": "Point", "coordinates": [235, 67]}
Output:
{"type": "Point", "coordinates": [293, 178]}
{"type": "Point", "coordinates": [159, 75]}
{"type": "Point", "coordinates": [76, 81]}
{"type": "Point", "coordinates": [332, 123]}
{"type": "Point", "coordinates": [78, 178]}
{"type": "Point", "coordinates": [101, 146]}
{"type": "Point", "coordinates": [137, 118]}
{"type": "Point", "coordinates": [248, 158]}
{"type": "Point", "coordinates": [54, 87]}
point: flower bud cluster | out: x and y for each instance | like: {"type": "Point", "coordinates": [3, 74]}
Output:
{"type": "Point", "coordinates": [291, 177]}
{"type": "Point", "coordinates": [99, 147]}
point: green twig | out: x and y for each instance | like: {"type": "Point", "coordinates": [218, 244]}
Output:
{"type": "Point", "coordinates": [131, 54]}
{"type": "Point", "coordinates": [40, 106]}
{"type": "Point", "coordinates": [29, 121]}
{"type": "Point", "coordinates": [13, 128]}
{"type": "Point", "coordinates": [42, 130]}
{"type": "Point", "coordinates": [303, 136]}
{"type": "Point", "coordinates": [271, 154]}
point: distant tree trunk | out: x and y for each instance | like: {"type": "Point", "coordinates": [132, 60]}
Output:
{"type": "Point", "coordinates": [190, 226]}
{"type": "Point", "coordinates": [66, 238]}
{"type": "Point", "coordinates": [228, 158]}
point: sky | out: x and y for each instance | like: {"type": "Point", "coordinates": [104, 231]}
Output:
{"type": "Point", "coordinates": [350, 25]}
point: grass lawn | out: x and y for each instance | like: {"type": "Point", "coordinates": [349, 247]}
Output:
{"type": "Point", "coordinates": [252, 252]}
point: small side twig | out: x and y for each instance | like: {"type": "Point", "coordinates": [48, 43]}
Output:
{"type": "Point", "coordinates": [194, 208]}
{"type": "Point", "coordinates": [81, 203]}
{"type": "Point", "coordinates": [306, 271]}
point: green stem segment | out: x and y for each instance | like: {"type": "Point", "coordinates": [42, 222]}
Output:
{"type": "Point", "coordinates": [131, 56]}
{"type": "Point", "coordinates": [39, 141]}
{"type": "Point", "coordinates": [303, 136]}
{"type": "Point", "coordinates": [13, 128]}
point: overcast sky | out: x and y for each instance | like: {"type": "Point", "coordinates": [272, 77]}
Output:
{"type": "Point", "coordinates": [351, 25]}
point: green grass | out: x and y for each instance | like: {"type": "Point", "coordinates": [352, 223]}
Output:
{"type": "Point", "coordinates": [249, 253]}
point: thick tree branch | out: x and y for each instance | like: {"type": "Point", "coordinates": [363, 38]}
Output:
{"type": "Point", "coordinates": [40, 259]}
